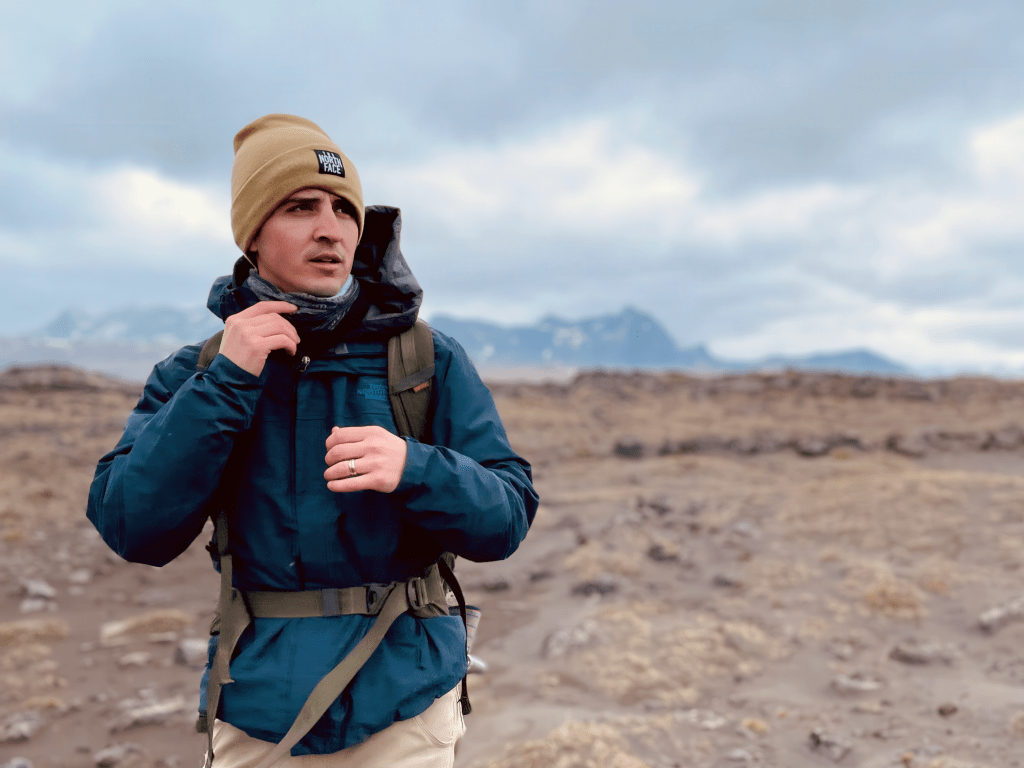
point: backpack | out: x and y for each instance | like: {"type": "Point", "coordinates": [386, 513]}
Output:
{"type": "Point", "coordinates": [410, 375]}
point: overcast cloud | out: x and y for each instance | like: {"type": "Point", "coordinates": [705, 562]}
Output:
{"type": "Point", "coordinates": [765, 177]}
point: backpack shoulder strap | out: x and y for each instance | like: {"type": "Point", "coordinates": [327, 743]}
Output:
{"type": "Point", "coordinates": [209, 350]}
{"type": "Point", "coordinates": [410, 373]}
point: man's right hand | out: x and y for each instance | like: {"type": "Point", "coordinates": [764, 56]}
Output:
{"type": "Point", "coordinates": [254, 333]}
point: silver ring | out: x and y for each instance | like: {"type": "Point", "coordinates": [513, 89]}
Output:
{"type": "Point", "coordinates": [352, 468]}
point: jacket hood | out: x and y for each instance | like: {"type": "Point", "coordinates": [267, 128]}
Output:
{"type": "Point", "coordinates": [389, 295]}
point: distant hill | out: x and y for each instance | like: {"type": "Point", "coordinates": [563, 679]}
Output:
{"type": "Point", "coordinates": [127, 342]}
{"type": "Point", "coordinates": [151, 325]}
{"type": "Point", "coordinates": [852, 361]}
{"type": "Point", "coordinates": [630, 339]}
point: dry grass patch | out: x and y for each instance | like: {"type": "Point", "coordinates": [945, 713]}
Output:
{"type": "Point", "coordinates": [638, 655]}
{"type": "Point", "coordinates": [573, 745]}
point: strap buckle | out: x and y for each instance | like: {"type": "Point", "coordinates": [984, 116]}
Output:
{"type": "Point", "coordinates": [376, 594]}
{"type": "Point", "coordinates": [416, 591]}
{"type": "Point", "coordinates": [331, 602]}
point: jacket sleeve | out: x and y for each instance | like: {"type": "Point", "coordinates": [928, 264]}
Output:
{"type": "Point", "coordinates": [149, 496]}
{"type": "Point", "coordinates": [469, 489]}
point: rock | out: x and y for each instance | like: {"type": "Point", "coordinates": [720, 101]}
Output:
{"type": "Point", "coordinates": [947, 710]}
{"type": "Point", "coordinates": [119, 756]}
{"type": "Point", "coordinates": [1008, 438]}
{"type": "Point", "coordinates": [661, 553]}
{"type": "Point", "coordinates": [604, 586]}
{"type": "Point", "coordinates": [856, 683]}
{"type": "Point", "coordinates": [163, 620]}
{"type": "Point", "coordinates": [192, 652]}
{"type": "Point", "coordinates": [136, 659]}
{"type": "Point", "coordinates": [746, 529]}
{"type": "Point", "coordinates": [153, 597]}
{"type": "Point", "coordinates": [80, 576]}
{"type": "Point", "coordinates": [702, 718]}
{"type": "Point", "coordinates": [36, 605]}
{"type": "Point", "coordinates": [830, 744]}
{"type": "Point", "coordinates": [38, 588]}
{"type": "Point", "coordinates": [564, 641]}
{"type": "Point", "coordinates": [998, 617]}
{"type": "Point", "coordinates": [726, 582]}
{"type": "Point", "coordinates": [18, 762]}
{"type": "Point", "coordinates": [693, 445]}
{"type": "Point", "coordinates": [20, 726]}
{"type": "Point", "coordinates": [923, 652]}
{"type": "Point", "coordinates": [945, 440]}
{"type": "Point", "coordinates": [812, 446]}
{"type": "Point", "coordinates": [913, 446]}
{"type": "Point", "coordinates": [760, 442]}
{"type": "Point", "coordinates": [630, 448]}
{"type": "Point", "coordinates": [148, 713]}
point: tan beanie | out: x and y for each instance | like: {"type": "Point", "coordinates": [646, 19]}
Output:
{"type": "Point", "coordinates": [277, 155]}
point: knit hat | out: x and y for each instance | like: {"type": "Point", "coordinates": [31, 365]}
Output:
{"type": "Point", "coordinates": [277, 155]}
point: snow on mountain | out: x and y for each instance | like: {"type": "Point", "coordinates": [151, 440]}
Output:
{"type": "Point", "coordinates": [130, 340]}
{"type": "Point", "coordinates": [156, 325]}
{"type": "Point", "coordinates": [630, 339]}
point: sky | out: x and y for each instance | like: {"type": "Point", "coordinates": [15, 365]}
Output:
{"type": "Point", "coordinates": [762, 176]}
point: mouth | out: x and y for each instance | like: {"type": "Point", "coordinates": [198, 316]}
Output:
{"type": "Point", "coordinates": [326, 258]}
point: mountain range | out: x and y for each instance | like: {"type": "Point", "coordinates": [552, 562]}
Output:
{"type": "Point", "coordinates": [128, 341]}
{"type": "Point", "coordinates": [629, 339]}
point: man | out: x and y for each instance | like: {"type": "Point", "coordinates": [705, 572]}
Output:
{"type": "Point", "coordinates": [287, 438]}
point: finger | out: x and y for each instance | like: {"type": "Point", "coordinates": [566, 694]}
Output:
{"type": "Point", "coordinates": [281, 341]}
{"type": "Point", "coordinates": [343, 452]}
{"type": "Point", "coordinates": [279, 326]}
{"type": "Point", "coordinates": [349, 484]}
{"type": "Point", "coordinates": [342, 468]}
{"type": "Point", "coordinates": [269, 308]}
{"type": "Point", "coordinates": [340, 435]}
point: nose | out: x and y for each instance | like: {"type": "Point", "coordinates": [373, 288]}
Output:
{"type": "Point", "coordinates": [327, 226]}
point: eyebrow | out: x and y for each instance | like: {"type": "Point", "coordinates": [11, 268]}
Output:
{"type": "Point", "coordinates": [291, 200]}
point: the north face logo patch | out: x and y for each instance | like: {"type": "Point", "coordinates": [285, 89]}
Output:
{"type": "Point", "coordinates": [374, 392]}
{"type": "Point", "coordinates": [330, 162]}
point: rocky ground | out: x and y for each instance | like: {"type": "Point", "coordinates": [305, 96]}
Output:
{"type": "Point", "coordinates": [753, 570]}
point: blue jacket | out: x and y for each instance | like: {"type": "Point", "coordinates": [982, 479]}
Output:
{"type": "Point", "coordinates": [255, 446]}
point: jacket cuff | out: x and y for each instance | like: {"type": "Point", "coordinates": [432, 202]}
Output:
{"type": "Point", "coordinates": [416, 457]}
{"type": "Point", "coordinates": [224, 371]}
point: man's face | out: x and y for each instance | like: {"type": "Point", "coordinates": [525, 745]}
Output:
{"type": "Point", "coordinates": [307, 244]}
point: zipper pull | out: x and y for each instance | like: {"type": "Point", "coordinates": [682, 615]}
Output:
{"type": "Point", "coordinates": [303, 364]}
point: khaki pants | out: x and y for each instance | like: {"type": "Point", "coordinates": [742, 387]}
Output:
{"type": "Point", "coordinates": [425, 741]}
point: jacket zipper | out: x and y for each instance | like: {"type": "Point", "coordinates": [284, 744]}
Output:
{"type": "Point", "coordinates": [297, 372]}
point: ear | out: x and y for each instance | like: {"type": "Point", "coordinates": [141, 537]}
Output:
{"type": "Point", "coordinates": [252, 253]}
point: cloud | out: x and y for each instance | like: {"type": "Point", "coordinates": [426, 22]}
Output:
{"type": "Point", "coordinates": [581, 179]}
{"type": "Point", "coordinates": [748, 170]}
{"type": "Point", "coordinates": [141, 206]}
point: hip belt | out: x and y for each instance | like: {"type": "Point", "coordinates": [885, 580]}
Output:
{"type": "Point", "coordinates": [423, 596]}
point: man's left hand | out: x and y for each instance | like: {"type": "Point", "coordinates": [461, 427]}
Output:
{"type": "Point", "coordinates": [378, 457]}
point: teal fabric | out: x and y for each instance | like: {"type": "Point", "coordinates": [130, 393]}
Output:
{"type": "Point", "coordinates": [255, 445]}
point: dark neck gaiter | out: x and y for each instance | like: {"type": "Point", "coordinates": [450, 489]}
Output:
{"type": "Point", "coordinates": [317, 318]}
